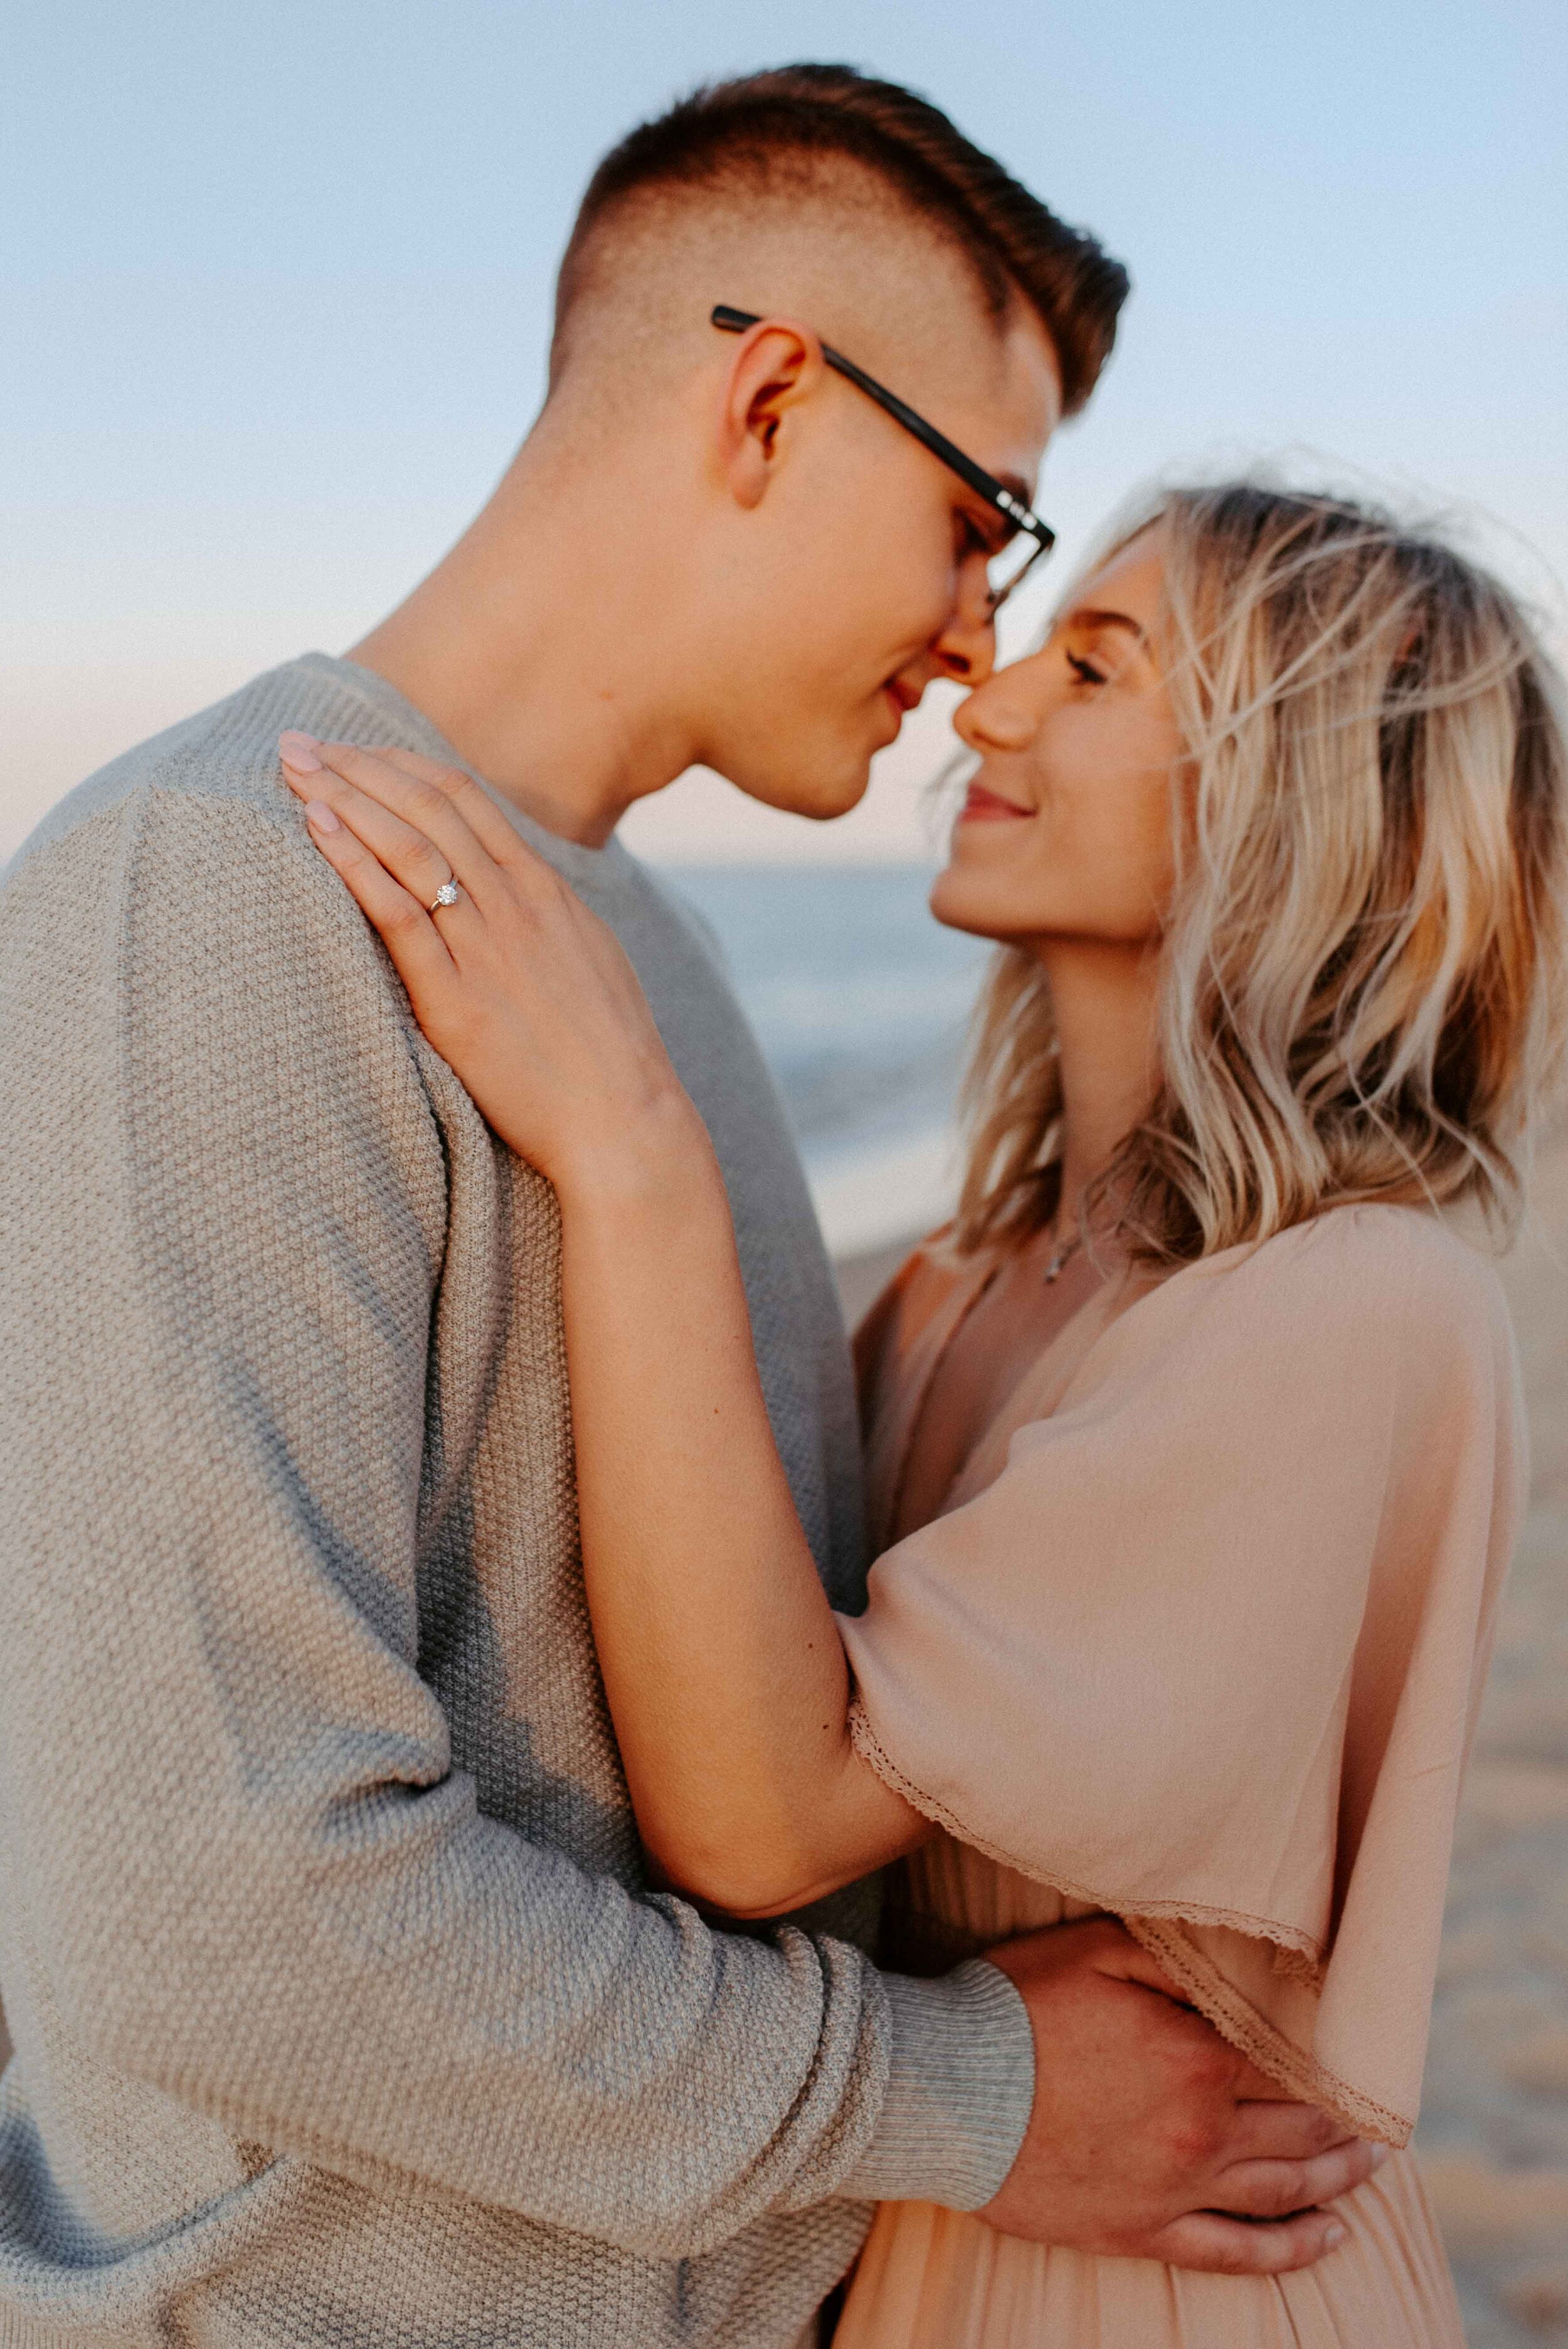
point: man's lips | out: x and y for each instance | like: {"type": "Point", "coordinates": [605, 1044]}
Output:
{"type": "Point", "coordinates": [904, 697]}
{"type": "Point", "coordinates": [983, 807]}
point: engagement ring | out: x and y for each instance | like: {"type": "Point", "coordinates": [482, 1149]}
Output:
{"type": "Point", "coordinates": [447, 895]}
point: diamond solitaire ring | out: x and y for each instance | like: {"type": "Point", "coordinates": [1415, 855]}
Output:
{"type": "Point", "coordinates": [447, 895]}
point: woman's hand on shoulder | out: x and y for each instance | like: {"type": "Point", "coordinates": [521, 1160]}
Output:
{"type": "Point", "coordinates": [524, 990]}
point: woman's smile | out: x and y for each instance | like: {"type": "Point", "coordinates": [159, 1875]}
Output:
{"type": "Point", "coordinates": [982, 806]}
{"type": "Point", "coordinates": [1078, 750]}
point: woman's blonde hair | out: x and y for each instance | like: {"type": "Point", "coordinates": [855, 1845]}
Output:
{"type": "Point", "coordinates": [1362, 968]}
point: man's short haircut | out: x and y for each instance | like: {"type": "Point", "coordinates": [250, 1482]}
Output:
{"type": "Point", "coordinates": [736, 137]}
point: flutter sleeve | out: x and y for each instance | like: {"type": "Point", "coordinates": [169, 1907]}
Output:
{"type": "Point", "coordinates": [1207, 1652]}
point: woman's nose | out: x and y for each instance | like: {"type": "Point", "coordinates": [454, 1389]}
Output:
{"type": "Point", "coordinates": [996, 718]}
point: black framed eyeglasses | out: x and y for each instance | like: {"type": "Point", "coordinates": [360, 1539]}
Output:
{"type": "Point", "coordinates": [1027, 537]}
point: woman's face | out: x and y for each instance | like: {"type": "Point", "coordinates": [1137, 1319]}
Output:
{"type": "Point", "coordinates": [1066, 833]}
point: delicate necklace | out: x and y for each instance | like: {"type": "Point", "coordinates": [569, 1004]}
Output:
{"type": "Point", "coordinates": [1064, 1252]}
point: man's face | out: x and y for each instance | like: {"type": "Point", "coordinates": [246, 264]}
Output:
{"type": "Point", "coordinates": [861, 575]}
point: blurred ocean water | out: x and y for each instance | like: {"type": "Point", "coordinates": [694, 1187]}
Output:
{"type": "Point", "coordinates": [862, 1003]}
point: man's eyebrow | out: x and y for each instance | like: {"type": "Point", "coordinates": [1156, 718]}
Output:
{"type": "Point", "coordinates": [1090, 616]}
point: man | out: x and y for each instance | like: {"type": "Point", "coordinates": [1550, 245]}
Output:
{"type": "Point", "coordinates": [344, 2010]}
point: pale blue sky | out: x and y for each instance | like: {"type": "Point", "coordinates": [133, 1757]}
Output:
{"type": "Point", "coordinates": [276, 280]}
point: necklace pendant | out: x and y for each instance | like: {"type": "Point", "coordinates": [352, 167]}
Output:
{"type": "Point", "coordinates": [1063, 1255]}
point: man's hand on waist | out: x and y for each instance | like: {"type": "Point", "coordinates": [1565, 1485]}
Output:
{"type": "Point", "coordinates": [1150, 2137]}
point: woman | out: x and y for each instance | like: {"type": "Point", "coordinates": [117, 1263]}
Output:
{"type": "Point", "coordinates": [1195, 1444]}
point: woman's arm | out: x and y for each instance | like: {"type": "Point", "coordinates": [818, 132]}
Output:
{"type": "Point", "coordinates": [722, 1662]}
{"type": "Point", "coordinates": [721, 1657]}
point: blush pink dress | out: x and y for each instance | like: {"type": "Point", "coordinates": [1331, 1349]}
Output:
{"type": "Point", "coordinates": [1197, 1639]}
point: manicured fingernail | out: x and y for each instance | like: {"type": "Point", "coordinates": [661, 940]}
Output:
{"type": "Point", "coordinates": [1379, 2156]}
{"type": "Point", "coordinates": [1333, 2234]}
{"type": "Point", "coordinates": [298, 751]}
{"type": "Point", "coordinates": [319, 816]}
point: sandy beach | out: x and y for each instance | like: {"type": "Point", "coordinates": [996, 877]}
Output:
{"type": "Point", "coordinates": [1494, 2123]}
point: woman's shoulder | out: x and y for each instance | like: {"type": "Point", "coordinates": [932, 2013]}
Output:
{"type": "Point", "coordinates": [1378, 1254]}
{"type": "Point", "coordinates": [1386, 1279]}
{"type": "Point", "coordinates": [1365, 1335]}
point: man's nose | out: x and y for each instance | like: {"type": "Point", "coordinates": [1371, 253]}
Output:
{"type": "Point", "coordinates": [966, 648]}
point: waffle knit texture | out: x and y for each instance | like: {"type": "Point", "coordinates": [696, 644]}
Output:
{"type": "Point", "coordinates": [342, 2012]}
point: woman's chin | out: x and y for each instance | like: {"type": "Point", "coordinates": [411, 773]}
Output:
{"type": "Point", "coordinates": [960, 900]}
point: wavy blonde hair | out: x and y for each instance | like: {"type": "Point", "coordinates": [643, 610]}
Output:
{"type": "Point", "coordinates": [1362, 967]}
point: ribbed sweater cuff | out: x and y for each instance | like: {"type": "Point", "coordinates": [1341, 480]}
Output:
{"type": "Point", "coordinates": [959, 2091]}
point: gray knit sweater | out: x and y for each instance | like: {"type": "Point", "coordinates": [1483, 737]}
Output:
{"type": "Point", "coordinates": [343, 2013]}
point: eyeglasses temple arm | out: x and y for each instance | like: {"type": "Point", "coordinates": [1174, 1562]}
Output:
{"type": "Point", "coordinates": [984, 485]}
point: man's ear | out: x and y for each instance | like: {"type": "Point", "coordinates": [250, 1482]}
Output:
{"type": "Point", "coordinates": [779, 365]}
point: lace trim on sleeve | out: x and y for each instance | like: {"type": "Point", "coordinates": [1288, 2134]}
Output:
{"type": "Point", "coordinates": [1156, 1926]}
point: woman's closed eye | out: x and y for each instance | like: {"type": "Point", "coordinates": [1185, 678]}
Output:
{"type": "Point", "coordinates": [1086, 671]}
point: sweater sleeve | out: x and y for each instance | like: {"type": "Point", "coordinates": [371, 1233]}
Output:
{"type": "Point", "coordinates": [237, 1843]}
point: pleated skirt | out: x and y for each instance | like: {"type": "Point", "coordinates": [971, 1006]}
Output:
{"type": "Point", "coordinates": [935, 2279]}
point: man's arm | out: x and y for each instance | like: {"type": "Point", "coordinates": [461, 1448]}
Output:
{"type": "Point", "coordinates": [247, 1865]}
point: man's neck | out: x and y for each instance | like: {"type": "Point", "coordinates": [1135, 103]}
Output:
{"type": "Point", "coordinates": [530, 663]}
